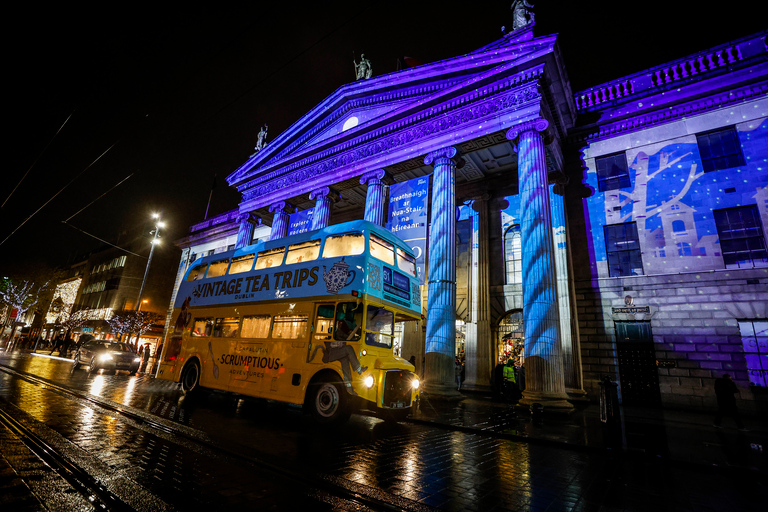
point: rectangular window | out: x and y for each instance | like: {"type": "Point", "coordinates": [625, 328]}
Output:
{"type": "Point", "coordinates": [255, 326]}
{"type": "Point", "coordinates": [202, 327]}
{"type": "Point", "coordinates": [242, 264]}
{"type": "Point", "coordinates": [344, 245]}
{"type": "Point", "coordinates": [305, 251]}
{"type": "Point", "coordinates": [382, 250]}
{"type": "Point", "coordinates": [612, 172]}
{"type": "Point", "coordinates": [406, 262]}
{"type": "Point", "coordinates": [742, 241]}
{"type": "Point", "coordinates": [623, 250]}
{"type": "Point", "coordinates": [379, 327]}
{"type": "Point", "coordinates": [754, 339]}
{"type": "Point", "coordinates": [196, 273]}
{"type": "Point", "coordinates": [720, 149]}
{"type": "Point", "coordinates": [290, 327]}
{"type": "Point", "coordinates": [226, 327]}
{"type": "Point", "coordinates": [270, 258]}
{"type": "Point", "coordinates": [217, 268]}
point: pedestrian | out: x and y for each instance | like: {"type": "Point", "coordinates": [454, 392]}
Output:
{"type": "Point", "coordinates": [145, 357]}
{"type": "Point", "coordinates": [57, 344]}
{"type": "Point", "coordinates": [725, 391]}
{"type": "Point", "coordinates": [458, 371]}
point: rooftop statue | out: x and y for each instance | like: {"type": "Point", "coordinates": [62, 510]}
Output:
{"type": "Point", "coordinates": [522, 14]}
{"type": "Point", "coordinates": [261, 141]}
{"type": "Point", "coordinates": [363, 68]}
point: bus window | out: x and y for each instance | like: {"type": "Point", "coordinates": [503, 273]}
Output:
{"type": "Point", "coordinates": [349, 320]}
{"type": "Point", "coordinates": [226, 327]}
{"type": "Point", "coordinates": [290, 327]}
{"type": "Point", "coordinates": [202, 327]}
{"type": "Point", "coordinates": [382, 250]}
{"type": "Point", "coordinates": [241, 264]}
{"type": "Point", "coordinates": [196, 273]}
{"type": "Point", "coordinates": [379, 327]}
{"type": "Point", "coordinates": [305, 251]}
{"type": "Point", "coordinates": [270, 258]}
{"type": "Point", "coordinates": [324, 322]}
{"type": "Point", "coordinates": [255, 326]}
{"type": "Point", "coordinates": [217, 268]}
{"type": "Point", "coordinates": [406, 262]}
{"type": "Point", "coordinates": [344, 245]}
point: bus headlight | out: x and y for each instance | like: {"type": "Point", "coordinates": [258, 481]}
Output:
{"type": "Point", "coordinates": [368, 381]}
{"type": "Point", "coordinates": [415, 383]}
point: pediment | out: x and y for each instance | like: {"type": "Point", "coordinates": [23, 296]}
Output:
{"type": "Point", "coordinates": [357, 110]}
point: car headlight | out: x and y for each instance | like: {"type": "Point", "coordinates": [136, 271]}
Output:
{"type": "Point", "coordinates": [105, 357]}
{"type": "Point", "coordinates": [137, 360]}
{"type": "Point", "coordinates": [415, 383]}
{"type": "Point", "coordinates": [368, 381]}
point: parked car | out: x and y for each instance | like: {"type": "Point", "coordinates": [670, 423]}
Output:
{"type": "Point", "coordinates": [107, 355]}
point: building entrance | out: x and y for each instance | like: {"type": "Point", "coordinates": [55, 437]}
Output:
{"type": "Point", "coordinates": [510, 343]}
{"type": "Point", "coordinates": [639, 377]}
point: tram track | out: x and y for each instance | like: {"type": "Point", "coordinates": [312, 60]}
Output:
{"type": "Point", "coordinates": [328, 488]}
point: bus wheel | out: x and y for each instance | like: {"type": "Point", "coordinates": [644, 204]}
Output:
{"type": "Point", "coordinates": [190, 379]}
{"type": "Point", "coordinates": [329, 402]}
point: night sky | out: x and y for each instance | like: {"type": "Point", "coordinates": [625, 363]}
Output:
{"type": "Point", "coordinates": [179, 95]}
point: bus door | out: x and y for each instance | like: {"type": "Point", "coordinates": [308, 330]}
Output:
{"type": "Point", "coordinates": [322, 332]}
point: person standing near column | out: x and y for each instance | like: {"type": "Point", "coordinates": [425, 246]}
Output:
{"type": "Point", "coordinates": [725, 391]}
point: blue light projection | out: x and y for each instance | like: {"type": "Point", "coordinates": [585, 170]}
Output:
{"type": "Point", "coordinates": [671, 199]}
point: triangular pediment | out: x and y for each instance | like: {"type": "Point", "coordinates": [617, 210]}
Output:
{"type": "Point", "coordinates": [356, 110]}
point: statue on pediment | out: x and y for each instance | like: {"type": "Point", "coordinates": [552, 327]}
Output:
{"type": "Point", "coordinates": [522, 14]}
{"type": "Point", "coordinates": [363, 68]}
{"type": "Point", "coordinates": [261, 140]}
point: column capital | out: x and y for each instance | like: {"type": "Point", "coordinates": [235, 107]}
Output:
{"type": "Point", "coordinates": [327, 192]}
{"type": "Point", "coordinates": [442, 156]}
{"type": "Point", "coordinates": [280, 206]}
{"type": "Point", "coordinates": [249, 217]}
{"type": "Point", "coordinates": [538, 125]}
{"type": "Point", "coordinates": [378, 174]}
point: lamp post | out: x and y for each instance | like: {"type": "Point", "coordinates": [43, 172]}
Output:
{"type": "Point", "coordinates": [156, 233]}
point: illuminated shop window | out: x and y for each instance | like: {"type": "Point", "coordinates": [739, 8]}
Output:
{"type": "Point", "coordinates": [720, 149]}
{"type": "Point", "coordinates": [742, 242]}
{"type": "Point", "coordinates": [623, 249]}
{"type": "Point", "coordinates": [754, 339]}
{"type": "Point", "coordinates": [612, 172]}
{"type": "Point", "coordinates": [512, 255]}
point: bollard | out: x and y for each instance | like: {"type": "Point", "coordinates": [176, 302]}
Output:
{"type": "Point", "coordinates": [609, 401]}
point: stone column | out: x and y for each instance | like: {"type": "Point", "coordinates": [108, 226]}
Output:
{"type": "Point", "coordinates": [544, 383]}
{"type": "Point", "coordinates": [281, 210]}
{"type": "Point", "coordinates": [248, 222]}
{"type": "Point", "coordinates": [479, 347]}
{"type": "Point", "coordinates": [374, 199]}
{"type": "Point", "coordinates": [321, 217]}
{"type": "Point", "coordinates": [571, 373]}
{"type": "Point", "coordinates": [440, 347]}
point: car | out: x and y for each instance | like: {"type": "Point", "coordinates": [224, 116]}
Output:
{"type": "Point", "coordinates": [107, 355]}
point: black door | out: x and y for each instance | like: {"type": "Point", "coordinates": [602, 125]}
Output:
{"type": "Point", "coordinates": [639, 377]}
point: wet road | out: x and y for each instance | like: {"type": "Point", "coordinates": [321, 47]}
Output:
{"type": "Point", "coordinates": [155, 449]}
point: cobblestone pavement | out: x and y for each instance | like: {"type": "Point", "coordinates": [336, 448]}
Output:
{"type": "Point", "coordinates": [473, 455]}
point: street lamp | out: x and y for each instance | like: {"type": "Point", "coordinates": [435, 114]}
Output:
{"type": "Point", "coordinates": [156, 233]}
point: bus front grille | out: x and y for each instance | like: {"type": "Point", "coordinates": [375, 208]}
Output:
{"type": "Point", "coordinates": [397, 389]}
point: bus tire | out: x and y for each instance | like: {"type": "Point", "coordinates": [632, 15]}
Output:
{"type": "Point", "coordinates": [190, 377]}
{"type": "Point", "coordinates": [328, 402]}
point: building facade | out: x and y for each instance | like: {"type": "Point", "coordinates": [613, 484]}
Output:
{"type": "Point", "coordinates": [521, 195]}
{"type": "Point", "coordinates": [672, 275]}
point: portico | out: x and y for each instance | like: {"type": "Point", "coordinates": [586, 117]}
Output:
{"type": "Point", "coordinates": [487, 127]}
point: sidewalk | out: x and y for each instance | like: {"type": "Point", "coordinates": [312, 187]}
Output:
{"type": "Point", "coordinates": [679, 436]}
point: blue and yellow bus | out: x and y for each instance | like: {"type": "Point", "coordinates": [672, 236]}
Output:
{"type": "Point", "coordinates": [307, 319]}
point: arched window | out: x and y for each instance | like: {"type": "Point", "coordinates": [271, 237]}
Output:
{"type": "Point", "coordinates": [512, 256]}
{"type": "Point", "coordinates": [678, 226]}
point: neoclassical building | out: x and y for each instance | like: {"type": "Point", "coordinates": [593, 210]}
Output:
{"type": "Point", "coordinates": [529, 252]}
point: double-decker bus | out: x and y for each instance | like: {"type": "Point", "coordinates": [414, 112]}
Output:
{"type": "Point", "coordinates": [307, 319]}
